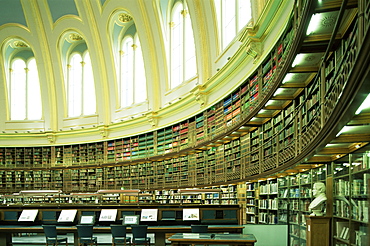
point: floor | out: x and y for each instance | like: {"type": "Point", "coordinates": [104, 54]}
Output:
{"type": "Point", "coordinates": [39, 239]}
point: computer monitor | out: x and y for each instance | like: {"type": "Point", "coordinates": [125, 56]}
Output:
{"type": "Point", "coordinates": [87, 219]}
{"type": "Point", "coordinates": [149, 215]}
{"type": "Point", "coordinates": [108, 215]}
{"type": "Point", "coordinates": [168, 215]}
{"type": "Point", "coordinates": [130, 219]}
{"type": "Point", "coordinates": [190, 214]}
{"type": "Point", "coordinates": [28, 215]}
{"type": "Point", "coordinates": [67, 215]}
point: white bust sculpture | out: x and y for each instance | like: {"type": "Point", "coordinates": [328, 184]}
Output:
{"type": "Point", "coordinates": [317, 205]}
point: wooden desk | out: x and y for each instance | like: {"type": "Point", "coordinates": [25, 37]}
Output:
{"type": "Point", "coordinates": [208, 238]}
{"type": "Point", "coordinates": [159, 231]}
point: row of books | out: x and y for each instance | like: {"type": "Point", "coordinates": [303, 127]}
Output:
{"type": "Point", "coordinates": [269, 188]}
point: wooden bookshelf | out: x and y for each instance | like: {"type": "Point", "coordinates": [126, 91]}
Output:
{"type": "Point", "coordinates": [268, 202]}
{"type": "Point", "coordinates": [350, 213]}
{"type": "Point", "coordinates": [251, 203]}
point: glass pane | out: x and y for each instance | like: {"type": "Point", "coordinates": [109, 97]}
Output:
{"type": "Point", "coordinates": [140, 79]}
{"type": "Point", "coordinates": [229, 24]}
{"type": "Point", "coordinates": [244, 13]}
{"type": "Point", "coordinates": [177, 47]}
{"type": "Point", "coordinates": [18, 91]}
{"type": "Point", "coordinates": [34, 105]}
{"type": "Point", "coordinates": [127, 73]}
{"type": "Point", "coordinates": [89, 97]}
{"type": "Point", "coordinates": [75, 86]}
{"type": "Point", "coordinates": [190, 61]}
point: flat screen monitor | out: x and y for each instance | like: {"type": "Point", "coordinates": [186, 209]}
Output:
{"type": "Point", "coordinates": [28, 215]}
{"type": "Point", "coordinates": [130, 220]}
{"type": "Point", "coordinates": [67, 215]}
{"type": "Point", "coordinates": [87, 219]}
{"type": "Point", "coordinates": [168, 215]}
{"type": "Point", "coordinates": [190, 214]}
{"type": "Point", "coordinates": [149, 215]}
{"type": "Point", "coordinates": [108, 215]}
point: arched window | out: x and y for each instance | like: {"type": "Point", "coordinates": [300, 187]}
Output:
{"type": "Point", "coordinates": [24, 91]}
{"type": "Point", "coordinates": [132, 79]}
{"type": "Point", "coordinates": [232, 16]}
{"type": "Point", "coordinates": [80, 87]}
{"type": "Point", "coordinates": [182, 46]}
{"type": "Point", "coordinates": [140, 78]}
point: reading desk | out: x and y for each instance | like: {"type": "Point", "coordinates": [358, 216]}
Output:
{"type": "Point", "coordinates": [159, 231]}
{"type": "Point", "coordinates": [179, 239]}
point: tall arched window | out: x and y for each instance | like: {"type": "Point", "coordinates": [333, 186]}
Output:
{"type": "Point", "coordinates": [80, 87]}
{"type": "Point", "coordinates": [132, 80]}
{"type": "Point", "coordinates": [182, 51]}
{"type": "Point", "coordinates": [140, 94]}
{"type": "Point", "coordinates": [24, 91]}
{"type": "Point", "coordinates": [232, 16]}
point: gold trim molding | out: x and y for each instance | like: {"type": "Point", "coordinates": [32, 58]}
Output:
{"type": "Point", "coordinates": [124, 18]}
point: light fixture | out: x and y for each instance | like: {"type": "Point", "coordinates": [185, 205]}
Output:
{"type": "Point", "coordinates": [262, 111]}
{"type": "Point", "coordinates": [39, 192]}
{"type": "Point", "coordinates": [342, 131]}
{"type": "Point", "coordinates": [269, 103]}
{"type": "Point", "coordinates": [278, 91]}
{"type": "Point", "coordinates": [297, 59]}
{"type": "Point", "coordinates": [133, 192]}
{"type": "Point", "coordinates": [314, 24]}
{"type": "Point", "coordinates": [365, 104]}
{"type": "Point", "coordinates": [288, 77]}
{"type": "Point", "coordinates": [198, 191]}
{"type": "Point", "coordinates": [85, 194]}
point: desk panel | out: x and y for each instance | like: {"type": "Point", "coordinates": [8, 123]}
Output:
{"type": "Point", "coordinates": [236, 239]}
{"type": "Point", "coordinates": [159, 231]}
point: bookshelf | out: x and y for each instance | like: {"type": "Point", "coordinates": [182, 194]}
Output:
{"type": "Point", "coordinates": [283, 199]}
{"type": "Point", "coordinates": [201, 167]}
{"type": "Point", "coordinates": [229, 194]}
{"type": "Point", "coordinates": [297, 194]}
{"type": "Point", "coordinates": [233, 163]}
{"type": "Point", "coordinates": [211, 164]}
{"type": "Point", "coordinates": [351, 199]}
{"type": "Point", "coordinates": [268, 202]}
{"type": "Point", "coordinates": [251, 203]}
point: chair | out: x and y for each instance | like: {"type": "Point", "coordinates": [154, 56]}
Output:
{"type": "Point", "coordinates": [85, 235]}
{"type": "Point", "coordinates": [199, 228]}
{"type": "Point", "coordinates": [139, 235]}
{"type": "Point", "coordinates": [119, 235]}
{"type": "Point", "coordinates": [52, 236]}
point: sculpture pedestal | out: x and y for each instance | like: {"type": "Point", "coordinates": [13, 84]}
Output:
{"type": "Point", "coordinates": [317, 230]}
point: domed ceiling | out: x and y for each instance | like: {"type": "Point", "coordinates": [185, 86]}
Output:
{"type": "Point", "coordinates": [46, 28]}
